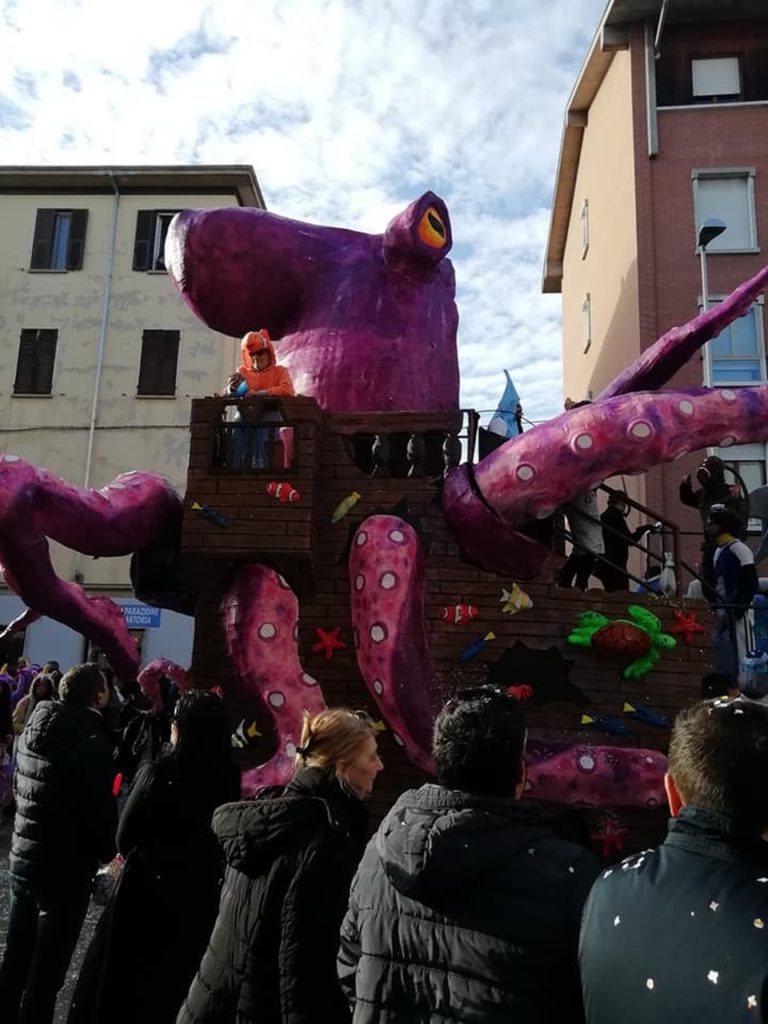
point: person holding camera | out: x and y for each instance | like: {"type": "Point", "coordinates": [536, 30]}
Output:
{"type": "Point", "coordinates": [617, 540]}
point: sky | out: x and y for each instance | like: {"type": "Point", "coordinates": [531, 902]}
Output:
{"type": "Point", "coordinates": [347, 110]}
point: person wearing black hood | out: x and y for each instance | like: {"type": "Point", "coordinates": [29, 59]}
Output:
{"type": "Point", "coordinates": [714, 490]}
{"type": "Point", "coordinates": [290, 857]}
{"type": "Point", "coordinates": [467, 903]}
{"type": "Point", "coordinates": [158, 920]}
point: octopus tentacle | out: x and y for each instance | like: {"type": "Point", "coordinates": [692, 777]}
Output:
{"type": "Point", "coordinates": [588, 776]}
{"type": "Point", "coordinates": [661, 361]}
{"type": "Point", "coordinates": [25, 618]}
{"type": "Point", "coordinates": [386, 574]}
{"type": "Point", "coordinates": [20, 623]}
{"type": "Point", "coordinates": [530, 476]}
{"type": "Point", "coordinates": [135, 510]}
{"type": "Point", "coordinates": [261, 615]}
{"type": "Point", "coordinates": [386, 571]}
{"type": "Point", "coordinates": [150, 676]}
{"type": "Point", "coordinates": [628, 429]}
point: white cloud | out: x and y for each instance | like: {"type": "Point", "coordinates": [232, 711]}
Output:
{"type": "Point", "coordinates": [348, 110]}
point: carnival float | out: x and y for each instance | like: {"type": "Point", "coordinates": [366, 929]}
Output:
{"type": "Point", "coordinates": [366, 557]}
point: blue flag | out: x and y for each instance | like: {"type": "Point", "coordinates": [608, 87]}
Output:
{"type": "Point", "coordinates": [506, 420]}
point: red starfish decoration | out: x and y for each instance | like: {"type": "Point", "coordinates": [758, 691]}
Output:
{"type": "Point", "coordinates": [610, 838]}
{"type": "Point", "coordinates": [520, 692]}
{"type": "Point", "coordinates": [328, 641]}
{"type": "Point", "coordinates": [686, 626]}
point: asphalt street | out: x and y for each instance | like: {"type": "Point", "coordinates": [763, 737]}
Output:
{"type": "Point", "coordinates": [90, 922]}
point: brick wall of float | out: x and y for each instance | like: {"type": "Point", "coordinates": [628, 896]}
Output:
{"type": "Point", "coordinates": [312, 554]}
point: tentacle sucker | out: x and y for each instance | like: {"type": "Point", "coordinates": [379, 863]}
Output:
{"type": "Point", "coordinates": [261, 615]}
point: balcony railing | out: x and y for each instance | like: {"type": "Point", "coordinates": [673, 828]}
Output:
{"type": "Point", "coordinates": [402, 445]}
{"type": "Point", "coordinates": [252, 436]}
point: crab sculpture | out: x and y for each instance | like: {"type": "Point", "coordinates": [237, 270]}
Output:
{"type": "Point", "coordinates": [368, 322]}
{"type": "Point", "coordinates": [638, 637]}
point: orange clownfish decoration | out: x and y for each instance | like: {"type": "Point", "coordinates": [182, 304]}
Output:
{"type": "Point", "coordinates": [283, 492]}
{"type": "Point", "coordinates": [459, 614]}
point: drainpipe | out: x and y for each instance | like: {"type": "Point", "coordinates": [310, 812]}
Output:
{"type": "Point", "coordinates": [660, 29]}
{"type": "Point", "coordinates": [100, 352]}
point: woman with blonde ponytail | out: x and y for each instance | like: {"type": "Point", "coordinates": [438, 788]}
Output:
{"type": "Point", "coordinates": [290, 857]}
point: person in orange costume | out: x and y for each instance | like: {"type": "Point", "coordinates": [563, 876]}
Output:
{"type": "Point", "coordinates": [259, 373]}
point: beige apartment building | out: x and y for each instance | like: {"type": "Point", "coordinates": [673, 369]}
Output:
{"type": "Point", "coordinates": [99, 355]}
{"type": "Point", "coordinates": [666, 127]}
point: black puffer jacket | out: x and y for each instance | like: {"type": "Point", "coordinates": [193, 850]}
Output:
{"type": "Point", "coordinates": [151, 929]}
{"type": "Point", "coordinates": [466, 908]}
{"type": "Point", "coordinates": [290, 859]}
{"type": "Point", "coordinates": [680, 933]}
{"type": "Point", "coordinates": [66, 816]}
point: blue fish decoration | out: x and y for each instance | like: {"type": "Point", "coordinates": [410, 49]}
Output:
{"type": "Point", "coordinates": [506, 420]}
{"type": "Point", "coordinates": [604, 723]}
{"type": "Point", "coordinates": [648, 715]}
{"type": "Point", "coordinates": [211, 514]}
{"type": "Point", "coordinates": [473, 649]}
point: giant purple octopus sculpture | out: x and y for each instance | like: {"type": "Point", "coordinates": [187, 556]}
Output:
{"type": "Point", "coordinates": [365, 323]}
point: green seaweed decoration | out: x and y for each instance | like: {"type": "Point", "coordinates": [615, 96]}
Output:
{"type": "Point", "coordinates": [639, 635]}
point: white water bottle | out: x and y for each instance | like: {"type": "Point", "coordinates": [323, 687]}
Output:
{"type": "Point", "coordinates": [667, 579]}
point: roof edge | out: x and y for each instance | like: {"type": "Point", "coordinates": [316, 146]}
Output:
{"type": "Point", "coordinates": [594, 68]}
{"type": "Point", "coordinates": [240, 177]}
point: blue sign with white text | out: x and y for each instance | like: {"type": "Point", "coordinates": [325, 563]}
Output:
{"type": "Point", "coordinates": [141, 616]}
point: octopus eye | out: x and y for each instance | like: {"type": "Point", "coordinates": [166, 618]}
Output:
{"type": "Point", "coordinates": [432, 229]}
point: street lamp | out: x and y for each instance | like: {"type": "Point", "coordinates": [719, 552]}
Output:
{"type": "Point", "coordinates": [711, 229]}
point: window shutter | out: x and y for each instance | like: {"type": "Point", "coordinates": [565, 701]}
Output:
{"type": "Point", "coordinates": [46, 356]}
{"type": "Point", "coordinates": [42, 243]}
{"type": "Point", "coordinates": [34, 369]}
{"type": "Point", "coordinates": [728, 198]}
{"type": "Point", "coordinates": [142, 249]}
{"type": "Point", "coordinates": [159, 356]}
{"type": "Point", "coordinates": [25, 367]}
{"type": "Point", "coordinates": [149, 366]}
{"type": "Point", "coordinates": [168, 363]}
{"type": "Point", "coordinates": [76, 247]}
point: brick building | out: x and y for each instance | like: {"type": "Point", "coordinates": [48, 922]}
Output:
{"type": "Point", "coordinates": [666, 127]}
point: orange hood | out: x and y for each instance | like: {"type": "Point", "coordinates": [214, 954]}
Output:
{"type": "Point", "coordinates": [273, 379]}
{"type": "Point", "coordinates": [256, 341]}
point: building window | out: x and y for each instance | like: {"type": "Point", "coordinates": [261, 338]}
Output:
{"type": "Point", "coordinates": [59, 240]}
{"type": "Point", "coordinates": [586, 322]}
{"type": "Point", "coordinates": [737, 354]}
{"type": "Point", "coordinates": [686, 76]}
{"type": "Point", "coordinates": [715, 78]}
{"type": "Point", "coordinates": [151, 229]}
{"type": "Point", "coordinates": [728, 194]}
{"type": "Point", "coordinates": [34, 367]}
{"type": "Point", "coordinates": [748, 460]}
{"type": "Point", "coordinates": [159, 356]}
{"type": "Point", "coordinates": [584, 228]}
